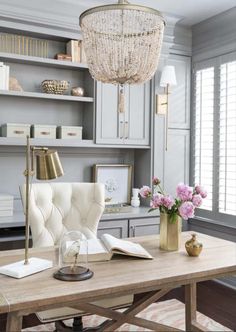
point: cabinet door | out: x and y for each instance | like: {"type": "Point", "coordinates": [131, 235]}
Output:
{"type": "Point", "coordinates": [176, 160]}
{"type": "Point", "coordinates": [143, 226]}
{"type": "Point", "coordinates": [117, 228]}
{"type": "Point", "coordinates": [137, 116]}
{"type": "Point", "coordinates": [179, 98]}
{"type": "Point", "coordinates": [131, 127]}
{"type": "Point", "coordinates": [109, 123]}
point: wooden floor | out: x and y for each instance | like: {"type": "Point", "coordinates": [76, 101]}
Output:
{"type": "Point", "coordinates": [214, 300]}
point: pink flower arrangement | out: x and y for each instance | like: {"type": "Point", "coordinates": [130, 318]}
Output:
{"type": "Point", "coordinates": [188, 198]}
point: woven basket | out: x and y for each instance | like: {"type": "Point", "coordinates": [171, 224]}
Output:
{"type": "Point", "coordinates": [56, 87]}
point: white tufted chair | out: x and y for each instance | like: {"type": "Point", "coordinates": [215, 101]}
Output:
{"type": "Point", "coordinates": [56, 208]}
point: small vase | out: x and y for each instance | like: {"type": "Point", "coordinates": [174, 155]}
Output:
{"type": "Point", "coordinates": [193, 247]}
{"type": "Point", "coordinates": [170, 232]}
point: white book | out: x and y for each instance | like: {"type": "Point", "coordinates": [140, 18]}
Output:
{"type": "Point", "coordinates": [6, 197]}
{"type": "Point", "coordinates": [7, 70]}
{"type": "Point", "coordinates": [103, 249]}
{"type": "Point", "coordinates": [2, 76]}
{"type": "Point", "coordinates": [6, 213]}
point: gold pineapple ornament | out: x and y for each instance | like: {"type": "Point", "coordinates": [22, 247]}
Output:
{"type": "Point", "coordinates": [193, 247]}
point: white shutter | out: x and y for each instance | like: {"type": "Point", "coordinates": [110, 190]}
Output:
{"type": "Point", "coordinates": [227, 130]}
{"type": "Point", "coordinates": [204, 120]}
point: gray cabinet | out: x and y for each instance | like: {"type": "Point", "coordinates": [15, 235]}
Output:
{"type": "Point", "coordinates": [143, 226]}
{"type": "Point", "coordinates": [130, 127]}
{"type": "Point", "coordinates": [117, 228]}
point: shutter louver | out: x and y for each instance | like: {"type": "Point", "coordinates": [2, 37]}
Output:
{"type": "Point", "coordinates": [204, 119]}
{"type": "Point", "coordinates": [227, 130]}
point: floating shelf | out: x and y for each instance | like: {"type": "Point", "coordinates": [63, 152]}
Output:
{"type": "Point", "coordinates": [39, 95]}
{"type": "Point", "coordinates": [33, 60]}
{"type": "Point", "coordinates": [70, 143]}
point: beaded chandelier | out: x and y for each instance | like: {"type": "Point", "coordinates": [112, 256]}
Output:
{"type": "Point", "coordinates": [122, 42]}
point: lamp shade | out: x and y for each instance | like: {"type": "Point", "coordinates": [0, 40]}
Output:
{"type": "Point", "coordinates": [168, 76]}
{"type": "Point", "coordinates": [48, 165]}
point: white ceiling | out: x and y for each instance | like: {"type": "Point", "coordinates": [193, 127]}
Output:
{"type": "Point", "coordinates": [191, 11]}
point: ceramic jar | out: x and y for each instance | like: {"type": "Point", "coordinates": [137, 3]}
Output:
{"type": "Point", "coordinates": [135, 201]}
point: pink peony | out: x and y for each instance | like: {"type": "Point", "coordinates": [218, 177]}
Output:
{"type": "Point", "coordinates": [156, 201]}
{"type": "Point", "coordinates": [201, 191]}
{"type": "Point", "coordinates": [145, 192]}
{"type": "Point", "coordinates": [168, 201]}
{"type": "Point", "coordinates": [184, 192]}
{"type": "Point", "coordinates": [156, 181]}
{"type": "Point", "coordinates": [197, 200]}
{"type": "Point", "coordinates": [186, 210]}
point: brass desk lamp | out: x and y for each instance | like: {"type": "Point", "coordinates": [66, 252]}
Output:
{"type": "Point", "coordinates": [48, 167]}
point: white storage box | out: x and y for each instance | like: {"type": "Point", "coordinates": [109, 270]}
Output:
{"type": "Point", "coordinates": [44, 131]}
{"type": "Point", "coordinates": [15, 130]}
{"type": "Point", "coordinates": [69, 132]}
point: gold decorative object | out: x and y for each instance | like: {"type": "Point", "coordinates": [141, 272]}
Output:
{"type": "Point", "coordinates": [77, 91]}
{"type": "Point", "coordinates": [122, 42]}
{"type": "Point", "coordinates": [14, 85]}
{"type": "Point", "coordinates": [170, 232]}
{"type": "Point", "coordinates": [56, 87]}
{"type": "Point", "coordinates": [193, 247]}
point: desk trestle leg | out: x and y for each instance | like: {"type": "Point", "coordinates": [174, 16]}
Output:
{"type": "Point", "coordinates": [191, 323]}
{"type": "Point", "coordinates": [14, 322]}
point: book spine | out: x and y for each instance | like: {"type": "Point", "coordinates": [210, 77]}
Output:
{"type": "Point", "coordinates": [2, 76]}
{"type": "Point", "coordinates": [7, 69]}
{"type": "Point", "coordinates": [6, 213]}
{"type": "Point", "coordinates": [82, 53]}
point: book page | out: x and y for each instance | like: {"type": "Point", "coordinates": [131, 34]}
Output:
{"type": "Point", "coordinates": [124, 247]}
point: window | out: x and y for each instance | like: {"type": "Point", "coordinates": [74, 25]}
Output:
{"type": "Point", "coordinates": [214, 148]}
{"type": "Point", "coordinates": [227, 124]}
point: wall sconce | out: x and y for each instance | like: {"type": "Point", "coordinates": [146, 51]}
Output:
{"type": "Point", "coordinates": [168, 78]}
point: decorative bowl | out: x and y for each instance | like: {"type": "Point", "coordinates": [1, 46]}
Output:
{"type": "Point", "coordinates": [77, 91]}
{"type": "Point", "coordinates": [56, 87]}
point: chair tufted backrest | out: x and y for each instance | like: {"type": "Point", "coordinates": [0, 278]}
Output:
{"type": "Point", "coordinates": [56, 208]}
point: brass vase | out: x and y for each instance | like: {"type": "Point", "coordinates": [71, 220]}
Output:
{"type": "Point", "coordinates": [170, 232]}
{"type": "Point", "coordinates": [193, 247]}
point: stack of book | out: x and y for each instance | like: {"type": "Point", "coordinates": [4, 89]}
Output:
{"type": "Point", "coordinates": [4, 76]}
{"type": "Point", "coordinates": [6, 205]}
{"type": "Point", "coordinates": [75, 49]}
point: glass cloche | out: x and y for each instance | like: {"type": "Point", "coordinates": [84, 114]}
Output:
{"type": "Point", "coordinates": [73, 257]}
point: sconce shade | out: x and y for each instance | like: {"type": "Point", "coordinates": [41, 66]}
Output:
{"type": "Point", "coordinates": [48, 165]}
{"type": "Point", "coordinates": [168, 76]}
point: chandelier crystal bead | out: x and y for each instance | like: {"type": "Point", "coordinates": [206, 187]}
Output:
{"type": "Point", "coordinates": [122, 42]}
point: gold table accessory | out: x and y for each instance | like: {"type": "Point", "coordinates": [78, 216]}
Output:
{"type": "Point", "coordinates": [193, 247]}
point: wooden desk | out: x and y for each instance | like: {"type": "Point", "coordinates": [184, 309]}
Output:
{"type": "Point", "coordinates": [118, 277]}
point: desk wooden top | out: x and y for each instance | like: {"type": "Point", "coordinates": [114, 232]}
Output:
{"type": "Point", "coordinates": [119, 276]}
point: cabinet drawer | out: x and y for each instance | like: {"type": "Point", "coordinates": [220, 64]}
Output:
{"type": "Point", "coordinates": [144, 226]}
{"type": "Point", "coordinates": [117, 228]}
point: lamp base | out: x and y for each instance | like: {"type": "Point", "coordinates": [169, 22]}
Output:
{"type": "Point", "coordinates": [20, 270]}
{"type": "Point", "coordinates": [79, 273]}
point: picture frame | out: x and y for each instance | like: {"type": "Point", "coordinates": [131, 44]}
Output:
{"type": "Point", "coordinates": [117, 180]}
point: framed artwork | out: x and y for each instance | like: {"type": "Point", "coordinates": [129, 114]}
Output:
{"type": "Point", "coordinates": [117, 181]}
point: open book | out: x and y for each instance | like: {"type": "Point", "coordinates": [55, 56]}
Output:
{"type": "Point", "coordinates": [108, 245]}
